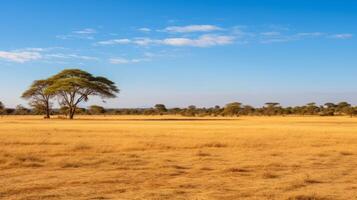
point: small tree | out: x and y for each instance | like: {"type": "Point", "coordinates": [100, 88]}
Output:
{"type": "Point", "coordinates": [160, 108]}
{"type": "Point", "coordinates": [40, 100]}
{"type": "Point", "coordinates": [271, 108]}
{"type": "Point", "coordinates": [344, 108]}
{"type": "Point", "coordinates": [73, 86]}
{"type": "Point", "coordinates": [39, 108]}
{"type": "Point", "coordinates": [310, 109]}
{"type": "Point", "coordinates": [232, 109]}
{"type": "Point", "coordinates": [20, 110]}
{"type": "Point", "coordinates": [191, 111]}
{"type": "Point", "coordinates": [2, 108]}
{"type": "Point", "coordinates": [329, 109]}
{"type": "Point", "coordinates": [96, 110]}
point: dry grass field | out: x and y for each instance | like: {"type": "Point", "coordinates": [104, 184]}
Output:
{"type": "Point", "coordinates": [302, 158]}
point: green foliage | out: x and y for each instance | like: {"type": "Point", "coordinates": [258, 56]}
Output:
{"type": "Point", "coordinates": [272, 108]}
{"type": "Point", "coordinates": [21, 110]}
{"type": "Point", "coordinates": [38, 97]}
{"type": "Point", "coordinates": [96, 110]}
{"type": "Point", "coordinates": [232, 109]}
{"type": "Point", "coordinates": [73, 86]}
{"type": "Point", "coordinates": [160, 109]}
{"type": "Point", "coordinates": [2, 108]}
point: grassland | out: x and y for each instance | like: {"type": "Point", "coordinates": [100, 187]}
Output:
{"type": "Point", "coordinates": [302, 158]}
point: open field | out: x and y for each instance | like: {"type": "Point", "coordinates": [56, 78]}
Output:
{"type": "Point", "coordinates": [302, 158]}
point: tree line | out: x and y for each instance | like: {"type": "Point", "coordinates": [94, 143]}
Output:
{"type": "Point", "coordinates": [70, 87]}
{"type": "Point", "coordinates": [234, 109]}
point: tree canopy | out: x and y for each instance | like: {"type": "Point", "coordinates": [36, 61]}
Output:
{"type": "Point", "coordinates": [232, 109]}
{"type": "Point", "coordinates": [2, 108]}
{"type": "Point", "coordinates": [73, 86]}
{"type": "Point", "coordinates": [40, 99]}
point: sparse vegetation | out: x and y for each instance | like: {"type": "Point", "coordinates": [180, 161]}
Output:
{"type": "Point", "coordinates": [232, 109]}
{"type": "Point", "coordinates": [70, 87]}
{"type": "Point", "coordinates": [126, 157]}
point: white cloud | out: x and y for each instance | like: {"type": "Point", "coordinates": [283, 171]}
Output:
{"type": "Point", "coordinates": [70, 56]}
{"type": "Point", "coordinates": [202, 41]}
{"type": "Point", "coordinates": [86, 31]}
{"type": "Point", "coordinates": [342, 36]}
{"type": "Point", "coordinates": [274, 38]}
{"type": "Point", "coordinates": [119, 60]}
{"type": "Point", "coordinates": [309, 34]}
{"type": "Point", "coordinates": [144, 29]}
{"type": "Point", "coordinates": [192, 28]}
{"type": "Point", "coordinates": [145, 41]}
{"type": "Point", "coordinates": [20, 57]}
{"type": "Point", "coordinates": [34, 49]}
{"type": "Point", "coordinates": [271, 33]}
{"type": "Point", "coordinates": [114, 42]}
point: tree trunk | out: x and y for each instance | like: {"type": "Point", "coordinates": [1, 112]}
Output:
{"type": "Point", "coordinates": [47, 110]}
{"type": "Point", "coordinates": [71, 112]}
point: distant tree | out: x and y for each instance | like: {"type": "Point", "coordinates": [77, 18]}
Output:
{"type": "Point", "coordinates": [247, 110]}
{"type": "Point", "coordinates": [344, 108]}
{"type": "Point", "coordinates": [39, 108]}
{"type": "Point", "coordinates": [72, 86]}
{"type": "Point", "coordinates": [64, 110]}
{"type": "Point", "coordinates": [160, 108]}
{"type": "Point", "coordinates": [149, 111]}
{"type": "Point", "coordinates": [2, 108]}
{"type": "Point", "coordinates": [190, 111]}
{"type": "Point", "coordinates": [174, 111]}
{"type": "Point", "coordinates": [9, 111]}
{"type": "Point", "coordinates": [40, 100]}
{"type": "Point", "coordinates": [81, 111]}
{"type": "Point", "coordinates": [288, 111]}
{"type": "Point", "coordinates": [96, 110]}
{"type": "Point", "coordinates": [310, 109]}
{"type": "Point", "coordinates": [21, 110]}
{"type": "Point", "coordinates": [271, 108]}
{"type": "Point", "coordinates": [329, 109]}
{"type": "Point", "coordinates": [217, 110]}
{"type": "Point", "coordinates": [232, 109]}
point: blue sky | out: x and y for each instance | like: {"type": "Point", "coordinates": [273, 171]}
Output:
{"type": "Point", "coordinates": [180, 53]}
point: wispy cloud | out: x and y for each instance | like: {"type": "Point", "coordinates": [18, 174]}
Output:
{"type": "Point", "coordinates": [70, 56]}
{"type": "Point", "coordinates": [274, 37]}
{"type": "Point", "coordinates": [310, 34]}
{"type": "Point", "coordinates": [20, 57]}
{"type": "Point", "coordinates": [192, 28]}
{"type": "Point", "coordinates": [144, 29]}
{"type": "Point", "coordinates": [87, 33]}
{"type": "Point", "coordinates": [271, 33]}
{"type": "Point", "coordinates": [202, 41]}
{"type": "Point", "coordinates": [120, 60]}
{"type": "Point", "coordinates": [114, 42]}
{"type": "Point", "coordinates": [50, 54]}
{"type": "Point", "coordinates": [342, 36]}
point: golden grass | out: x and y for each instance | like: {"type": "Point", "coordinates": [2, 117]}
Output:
{"type": "Point", "coordinates": [135, 157]}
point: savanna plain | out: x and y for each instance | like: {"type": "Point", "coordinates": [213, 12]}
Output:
{"type": "Point", "coordinates": [168, 157]}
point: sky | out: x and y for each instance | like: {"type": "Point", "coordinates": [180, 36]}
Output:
{"type": "Point", "coordinates": [181, 53]}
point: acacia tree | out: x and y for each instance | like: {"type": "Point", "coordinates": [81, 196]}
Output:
{"type": "Point", "coordinates": [73, 86]}
{"type": "Point", "coordinates": [232, 109]}
{"type": "Point", "coordinates": [2, 108]}
{"type": "Point", "coordinates": [96, 110]}
{"type": "Point", "coordinates": [160, 108]}
{"type": "Point", "coordinates": [271, 108]}
{"type": "Point", "coordinates": [38, 96]}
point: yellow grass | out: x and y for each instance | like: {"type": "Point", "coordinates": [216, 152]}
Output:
{"type": "Point", "coordinates": [131, 157]}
